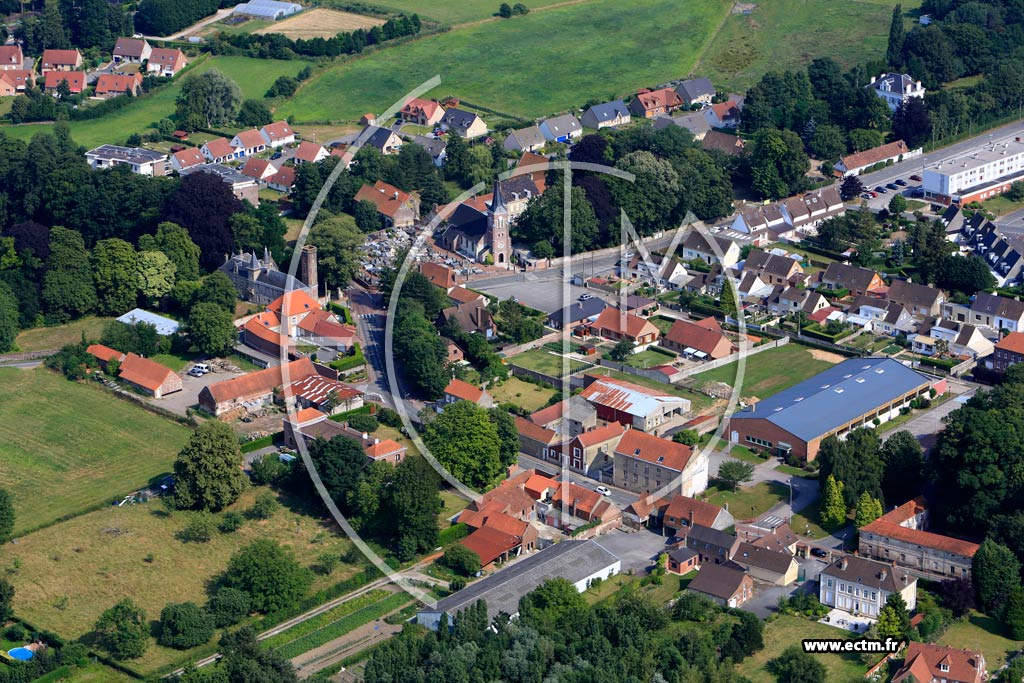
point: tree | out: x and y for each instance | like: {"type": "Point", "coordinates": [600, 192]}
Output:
{"type": "Point", "coordinates": [542, 221]}
{"type": "Point", "coordinates": [411, 506]}
{"type": "Point", "coordinates": [211, 329]}
{"type": "Point", "coordinates": [155, 275]}
{"type": "Point", "coordinates": [904, 467]}
{"type": "Point", "coordinates": [796, 666]}
{"type": "Point", "coordinates": [337, 241]}
{"type": "Point", "coordinates": [203, 205]}
{"type": "Point", "coordinates": [897, 34]}
{"type": "Point", "coordinates": [247, 232]}
{"type": "Point", "coordinates": [208, 471]}
{"type": "Point", "coordinates": [368, 219]}
{"type": "Point", "coordinates": [184, 625]}
{"type": "Point", "coordinates": [174, 242]}
{"type": "Point", "coordinates": [465, 441]}
{"type": "Point", "coordinates": [856, 462]}
{"type": "Point", "coordinates": [210, 97]}
{"type": "Point", "coordinates": [1013, 613]}
{"type": "Point", "coordinates": [9, 318]}
{"type": "Point", "coordinates": [549, 602]}
{"type": "Point", "coordinates": [851, 187]}
{"type": "Point", "coordinates": [115, 274]}
{"type": "Point", "coordinates": [254, 113]}
{"type": "Point", "coordinates": [727, 299]}
{"type": "Point", "coordinates": [265, 506]}
{"type": "Point", "coordinates": [52, 25]}
{"type": "Point", "coordinates": [911, 122]}
{"type": "Point", "coordinates": [778, 163]}
{"type": "Point", "coordinates": [269, 573]}
{"type": "Point", "coordinates": [622, 350]}
{"type": "Point", "coordinates": [897, 205]}
{"type": "Point", "coordinates": [505, 11]}
{"type": "Point", "coordinates": [415, 337]}
{"type": "Point", "coordinates": [68, 290]}
{"type": "Point", "coordinates": [688, 437]}
{"type": "Point", "coordinates": [461, 559]}
{"type": "Point", "coordinates": [218, 290]}
{"type": "Point", "coordinates": [228, 606]}
{"type": "Point", "coordinates": [267, 469]}
{"type": "Point", "coordinates": [833, 508]}
{"type": "Point", "coordinates": [1016, 191]}
{"type": "Point", "coordinates": [123, 630]}
{"type": "Point", "coordinates": [828, 142]}
{"type": "Point", "coordinates": [199, 529]}
{"type": "Point", "coordinates": [968, 274]}
{"type": "Point", "coordinates": [893, 619]}
{"type": "Point", "coordinates": [868, 510]}
{"type": "Point", "coordinates": [6, 600]}
{"type": "Point", "coordinates": [284, 86]}
{"type": "Point", "coordinates": [508, 436]}
{"type": "Point", "coordinates": [650, 200]}
{"type": "Point", "coordinates": [994, 571]}
{"type": "Point", "coordinates": [735, 472]}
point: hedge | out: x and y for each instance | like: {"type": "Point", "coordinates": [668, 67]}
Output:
{"type": "Point", "coordinates": [453, 533]}
{"type": "Point", "coordinates": [947, 363]}
{"type": "Point", "coordinates": [348, 362]}
{"type": "Point", "coordinates": [262, 442]}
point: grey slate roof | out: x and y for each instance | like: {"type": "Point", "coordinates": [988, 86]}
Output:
{"type": "Point", "coordinates": [379, 137]}
{"type": "Point", "coordinates": [763, 558]}
{"type": "Point", "coordinates": [836, 396]}
{"type": "Point", "coordinates": [693, 122]}
{"type": "Point", "coordinates": [457, 118]}
{"type": "Point", "coordinates": [577, 311]}
{"type": "Point", "coordinates": [692, 89]}
{"type": "Point", "coordinates": [571, 560]}
{"type": "Point", "coordinates": [869, 573]}
{"type": "Point", "coordinates": [529, 136]}
{"type": "Point", "coordinates": [435, 146]}
{"type": "Point", "coordinates": [608, 111]}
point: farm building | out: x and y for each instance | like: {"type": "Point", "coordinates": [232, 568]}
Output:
{"type": "Point", "coordinates": [848, 395]}
{"type": "Point", "coordinates": [267, 9]}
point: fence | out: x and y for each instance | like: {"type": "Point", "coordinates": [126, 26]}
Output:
{"type": "Point", "coordinates": [731, 358]}
{"type": "Point", "coordinates": [641, 372]}
{"type": "Point", "coordinates": [802, 339]}
{"type": "Point", "coordinates": [575, 381]}
{"type": "Point", "coordinates": [25, 356]}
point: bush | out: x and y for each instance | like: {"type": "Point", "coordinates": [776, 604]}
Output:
{"type": "Point", "coordinates": [199, 528]}
{"type": "Point", "coordinates": [15, 633]}
{"type": "Point", "coordinates": [267, 469]}
{"type": "Point", "coordinates": [228, 606]}
{"type": "Point", "coordinates": [389, 418]}
{"type": "Point", "coordinates": [327, 562]}
{"type": "Point", "coordinates": [456, 584]}
{"type": "Point", "coordinates": [364, 423]}
{"type": "Point", "coordinates": [184, 625]}
{"type": "Point", "coordinates": [453, 533]}
{"type": "Point", "coordinates": [230, 522]}
{"type": "Point", "coordinates": [461, 559]}
{"type": "Point", "coordinates": [265, 506]}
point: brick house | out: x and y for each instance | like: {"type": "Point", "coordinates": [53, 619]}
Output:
{"type": "Point", "coordinates": [644, 463]}
{"type": "Point", "coordinates": [724, 585]}
{"type": "Point", "coordinates": [149, 376]}
{"type": "Point", "coordinates": [929, 663]}
{"type": "Point", "coordinates": [1008, 351]}
{"type": "Point", "coordinates": [713, 545]}
{"type": "Point", "coordinates": [617, 325]}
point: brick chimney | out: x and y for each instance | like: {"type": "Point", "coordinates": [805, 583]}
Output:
{"type": "Point", "coordinates": [307, 268]}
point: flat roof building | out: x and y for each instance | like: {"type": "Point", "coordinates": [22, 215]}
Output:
{"type": "Point", "coordinates": [848, 395]}
{"type": "Point", "coordinates": [141, 161]}
{"type": "Point", "coordinates": [975, 176]}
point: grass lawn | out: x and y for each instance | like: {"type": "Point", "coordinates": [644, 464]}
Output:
{"type": "Point", "coordinates": [746, 455]}
{"type": "Point", "coordinates": [176, 362]}
{"type": "Point", "coordinates": [789, 630]}
{"type": "Point", "coordinates": [453, 503]}
{"type": "Point", "coordinates": [778, 36]}
{"type": "Point", "coordinates": [253, 76]}
{"type": "Point", "coordinates": [455, 12]}
{"type": "Point", "coordinates": [527, 396]}
{"type": "Point", "coordinates": [769, 372]}
{"type": "Point", "coordinates": [72, 571]}
{"type": "Point", "coordinates": [542, 68]}
{"type": "Point", "coordinates": [663, 323]}
{"type": "Point", "coordinates": [748, 502]}
{"type": "Point", "coordinates": [93, 673]}
{"type": "Point", "coordinates": [44, 338]}
{"type": "Point", "coordinates": [793, 471]}
{"type": "Point", "coordinates": [75, 446]}
{"type": "Point", "coordinates": [650, 358]}
{"type": "Point", "coordinates": [979, 632]}
{"type": "Point", "coordinates": [805, 522]}
{"type": "Point", "coordinates": [545, 361]}
{"type": "Point", "coordinates": [1001, 205]}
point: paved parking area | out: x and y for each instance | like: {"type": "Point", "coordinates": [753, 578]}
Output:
{"type": "Point", "coordinates": [766, 597]}
{"type": "Point", "coordinates": [637, 550]}
{"type": "Point", "coordinates": [179, 402]}
{"type": "Point", "coordinates": [542, 293]}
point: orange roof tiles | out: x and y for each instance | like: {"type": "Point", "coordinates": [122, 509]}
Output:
{"type": "Point", "coordinates": [260, 169]}
{"type": "Point", "coordinates": [620, 322]}
{"type": "Point", "coordinates": [306, 415]}
{"type": "Point", "coordinates": [869, 157]}
{"type": "Point", "coordinates": [537, 484]}
{"type": "Point", "coordinates": [700, 337]}
{"type": "Point", "coordinates": [143, 372]}
{"type": "Point", "coordinates": [293, 303]}
{"type": "Point", "coordinates": [438, 274]}
{"type": "Point", "coordinates": [464, 391]}
{"type": "Point", "coordinates": [285, 177]}
{"type": "Point", "coordinates": [1013, 342]}
{"type": "Point", "coordinates": [278, 130]}
{"type": "Point", "coordinates": [309, 152]}
{"type": "Point", "coordinates": [697, 511]}
{"type": "Point", "coordinates": [463, 295]}
{"type": "Point", "coordinates": [383, 448]}
{"type": "Point", "coordinates": [387, 198]}
{"type": "Point", "coordinates": [490, 544]}
{"type": "Point", "coordinates": [655, 450]}
{"type": "Point", "coordinates": [219, 147]}
{"type": "Point", "coordinates": [580, 499]}
{"type": "Point", "coordinates": [168, 58]}
{"type": "Point", "coordinates": [601, 434]}
{"type": "Point", "coordinates": [75, 79]}
{"type": "Point", "coordinates": [114, 84]}
{"type": "Point", "coordinates": [56, 58]}
{"type": "Point", "coordinates": [890, 526]}
{"type": "Point", "coordinates": [261, 382]}
{"type": "Point", "coordinates": [665, 97]}
{"type": "Point", "coordinates": [104, 353]}
{"type": "Point", "coordinates": [534, 431]}
{"type": "Point", "coordinates": [922, 661]}
{"type": "Point", "coordinates": [188, 157]}
{"type": "Point", "coordinates": [250, 138]}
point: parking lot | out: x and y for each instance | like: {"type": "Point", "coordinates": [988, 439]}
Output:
{"type": "Point", "coordinates": [180, 401]}
{"type": "Point", "coordinates": [766, 597]}
{"type": "Point", "coordinates": [879, 196]}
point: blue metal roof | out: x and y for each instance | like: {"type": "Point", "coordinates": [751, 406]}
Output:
{"type": "Point", "coordinates": [164, 326]}
{"type": "Point", "coordinates": [836, 396]}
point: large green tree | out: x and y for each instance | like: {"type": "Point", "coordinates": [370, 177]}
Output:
{"type": "Point", "coordinates": [856, 461]}
{"type": "Point", "coordinates": [211, 329]}
{"type": "Point", "coordinates": [650, 200]}
{"type": "Point", "coordinates": [68, 290]}
{"type": "Point", "coordinates": [123, 630]}
{"type": "Point", "coordinates": [115, 268]}
{"type": "Point", "coordinates": [208, 471]}
{"type": "Point", "coordinates": [337, 242]}
{"type": "Point", "coordinates": [6, 599]}
{"type": "Point", "coordinates": [868, 510]}
{"type": "Point", "coordinates": [833, 507]}
{"type": "Point", "coordinates": [897, 34]}
{"type": "Point", "coordinates": [778, 163]}
{"type": "Point", "coordinates": [208, 100]}
{"type": "Point", "coordinates": [543, 221]}
{"type": "Point", "coordinates": [173, 240]}
{"type": "Point", "coordinates": [269, 573]}
{"type": "Point", "coordinates": [184, 625]}
{"type": "Point", "coordinates": [155, 275]}
{"type": "Point", "coordinates": [9, 317]}
{"type": "Point", "coordinates": [994, 572]}
{"type": "Point", "coordinates": [796, 666]}
{"type": "Point", "coordinates": [412, 506]}
{"type": "Point", "coordinates": [903, 460]}
{"type": "Point", "coordinates": [893, 619]}
{"type": "Point", "coordinates": [465, 440]}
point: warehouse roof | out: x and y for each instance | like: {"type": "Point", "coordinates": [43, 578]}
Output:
{"type": "Point", "coordinates": [836, 396]}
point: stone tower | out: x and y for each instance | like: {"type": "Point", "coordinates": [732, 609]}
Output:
{"type": "Point", "coordinates": [307, 268]}
{"type": "Point", "coordinates": [497, 228]}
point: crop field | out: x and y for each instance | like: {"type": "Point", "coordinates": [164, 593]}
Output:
{"type": "Point", "coordinates": [782, 34]}
{"type": "Point", "coordinates": [320, 23]}
{"type": "Point", "coordinates": [70, 572]}
{"type": "Point", "coordinates": [456, 12]}
{"type": "Point", "coordinates": [75, 446]}
{"type": "Point", "coordinates": [769, 372]}
{"type": "Point", "coordinates": [527, 66]}
{"type": "Point", "coordinates": [253, 76]}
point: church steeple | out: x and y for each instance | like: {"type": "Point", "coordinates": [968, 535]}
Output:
{"type": "Point", "coordinates": [498, 201]}
{"type": "Point", "coordinates": [498, 226]}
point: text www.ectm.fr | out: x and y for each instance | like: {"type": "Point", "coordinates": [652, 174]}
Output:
{"type": "Point", "coordinates": [840, 646]}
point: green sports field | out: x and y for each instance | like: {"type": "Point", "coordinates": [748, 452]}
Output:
{"type": "Point", "coordinates": [538, 64]}
{"type": "Point", "coordinates": [769, 372]}
{"type": "Point", "coordinates": [68, 446]}
{"type": "Point", "coordinates": [253, 76]}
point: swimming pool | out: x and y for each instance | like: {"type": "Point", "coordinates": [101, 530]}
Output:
{"type": "Point", "coordinates": [21, 653]}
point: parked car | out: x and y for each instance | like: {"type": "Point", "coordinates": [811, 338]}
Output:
{"type": "Point", "coordinates": [603, 490]}
{"type": "Point", "coordinates": [866, 195]}
{"type": "Point", "coordinates": [586, 297]}
{"type": "Point", "coordinates": [873, 193]}
{"type": "Point", "coordinates": [818, 552]}
{"type": "Point", "coordinates": [893, 186]}
{"type": "Point", "coordinates": [881, 190]}
{"type": "Point", "coordinates": [901, 182]}
{"type": "Point", "coordinates": [916, 178]}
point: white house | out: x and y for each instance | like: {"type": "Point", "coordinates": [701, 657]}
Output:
{"type": "Point", "coordinates": [564, 128]}
{"type": "Point", "coordinates": [896, 88]}
{"type": "Point", "coordinates": [277, 134]}
{"type": "Point", "coordinates": [248, 142]}
{"type": "Point", "coordinates": [861, 587]}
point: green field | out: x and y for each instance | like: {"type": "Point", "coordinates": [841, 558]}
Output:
{"type": "Point", "coordinates": [769, 372]}
{"type": "Point", "coordinates": [46, 338]}
{"type": "Point", "coordinates": [456, 12]}
{"type": "Point", "coordinates": [75, 446]}
{"type": "Point", "coordinates": [253, 76]}
{"type": "Point", "coordinates": [527, 396]}
{"type": "Point", "coordinates": [749, 502]}
{"type": "Point", "coordinates": [979, 632]}
{"type": "Point", "coordinates": [782, 34]}
{"type": "Point", "coordinates": [72, 571]}
{"type": "Point", "coordinates": [789, 630]}
{"type": "Point", "coordinates": [530, 66]}
{"type": "Point", "coordinates": [546, 362]}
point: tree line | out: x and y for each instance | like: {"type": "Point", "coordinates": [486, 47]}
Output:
{"type": "Point", "coordinates": [86, 24]}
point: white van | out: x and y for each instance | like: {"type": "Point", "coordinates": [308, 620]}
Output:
{"type": "Point", "coordinates": [201, 368]}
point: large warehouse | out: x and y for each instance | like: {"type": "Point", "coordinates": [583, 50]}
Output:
{"type": "Point", "coordinates": [849, 395]}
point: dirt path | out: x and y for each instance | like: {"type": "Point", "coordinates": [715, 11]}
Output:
{"type": "Point", "coordinates": [818, 354]}
{"type": "Point", "coordinates": [221, 13]}
{"type": "Point", "coordinates": [349, 644]}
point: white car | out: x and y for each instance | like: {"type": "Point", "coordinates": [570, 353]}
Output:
{"type": "Point", "coordinates": [586, 297]}
{"type": "Point", "coordinates": [603, 490]}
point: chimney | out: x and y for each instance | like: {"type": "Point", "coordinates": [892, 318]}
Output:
{"type": "Point", "coordinates": [843, 564]}
{"type": "Point", "coordinates": [919, 85]}
{"type": "Point", "coordinates": [872, 80]}
{"type": "Point", "coordinates": [884, 573]}
{"type": "Point", "coordinates": [395, 194]}
{"type": "Point", "coordinates": [307, 268]}
{"type": "Point", "coordinates": [376, 441]}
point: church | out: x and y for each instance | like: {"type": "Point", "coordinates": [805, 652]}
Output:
{"type": "Point", "coordinates": [259, 281]}
{"type": "Point", "coordinates": [481, 226]}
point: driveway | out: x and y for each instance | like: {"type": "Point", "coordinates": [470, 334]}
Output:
{"type": "Point", "coordinates": [928, 424]}
{"type": "Point", "coordinates": [179, 402]}
{"type": "Point", "coordinates": [766, 597]}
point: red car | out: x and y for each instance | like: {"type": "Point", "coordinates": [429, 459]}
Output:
{"type": "Point", "coordinates": [916, 178]}
{"type": "Point", "coordinates": [872, 193]}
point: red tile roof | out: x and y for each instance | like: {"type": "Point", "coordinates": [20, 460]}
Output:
{"type": "Point", "coordinates": [620, 322]}
{"type": "Point", "coordinates": [490, 544]}
{"type": "Point", "coordinates": [537, 484]}
{"type": "Point", "coordinates": [890, 526]}
{"type": "Point", "coordinates": [143, 372]}
{"type": "Point", "coordinates": [11, 55]}
{"type": "Point", "coordinates": [666, 97]}
{"type": "Point", "coordinates": [75, 79]}
{"type": "Point", "coordinates": [1013, 342]}
{"type": "Point", "coordinates": [279, 130]}
{"type": "Point", "coordinates": [655, 450]}
{"type": "Point", "coordinates": [582, 500]}
{"type": "Point", "coordinates": [383, 448]}
{"type": "Point", "coordinates": [309, 152]}
{"type": "Point", "coordinates": [293, 303]}
{"type": "Point", "coordinates": [418, 105]}
{"type": "Point", "coordinates": [306, 415]}
{"type": "Point", "coordinates": [259, 383]}
{"type": "Point", "coordinates": [190, 156]}
{"type": "Point", "coordinates": [601, 434]}
{"type": "Point", "coordinates": [114, 84]}
{"type": "Point", "coordinates": [534, 431]}
{"type": "Point", "coordinates": [438, 274]}
{"type": "Point", "coordinates": [697, 511]}
{"type": "Point", "coordinates": [104, 353]}
{"type": "Point", "coordinates": [922, 661]}
{"type": "Point", "coordinates": [873, 156]}
{"type": "Point", "coordinates": [250, 138]}
{"type": "Point", "coordinates": [265, 326]}
{"type": "Point", "coordinates": [56, 58]}
{"type": "Point", "coordinates": [700, 337]}
{"type": "Point", "coordinates": [464, 391]}
{"type": "Point", "coordinates": [463, 295]}
{"type": "Point", "coordinates": [219, 147]}
{"type": "Point", "coordinates": [285, 177]}
{"type": "Point", "coordinates": [260, 169]}
{"type": "Point", "coordinates": [387, 198]}
{"type": "Point", "coordinates": [168, 58]}
{"type": "Point", "coordinates": [725, 110]}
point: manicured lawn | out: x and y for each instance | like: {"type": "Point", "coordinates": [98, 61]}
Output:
{"type": "Point", "coordinates": [541, 67]}
{"type": "Point", "coordinates": [650, 358]}
{"type": "Point", "coordinates": [453, 503]}
{"type": "Point", "coordinates": [662, 323]}
{"type": "Point", "coordinates": [788, 630]}
{"type": "Point", "coordinates": [1001, 205]}
{"type": "Point", "coordinates": [746, 455]}
{"type": "Point", "coordinates": [748, 502]}
{"type": "Point", "coordinates": [793, 471]}
{"type": "Point", "coordinates": [979, 632]}
{"type": "Point", "coordinates": [527, 396]}
{"type": "Point", "coordinates": [253, 76]}
{"type": "Point", "coordinates": [805, 522]}
{"type": "Point", "coordinates": [75, 446]}
{"type": "Point", "coordinates": [455, 12]}
{"type": "Point", "coordinates": [72, 571]}
{"type": "Point", "coordinates": [785, 34]}
{"type": "Point", "coordinates": [44, 338]}
{"type": "Point", "coordinates": [176, 362]}
{"type": "Point", "coordinates": [547, 362]}
{"type": "Point", "coordinates": [769, 372]}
